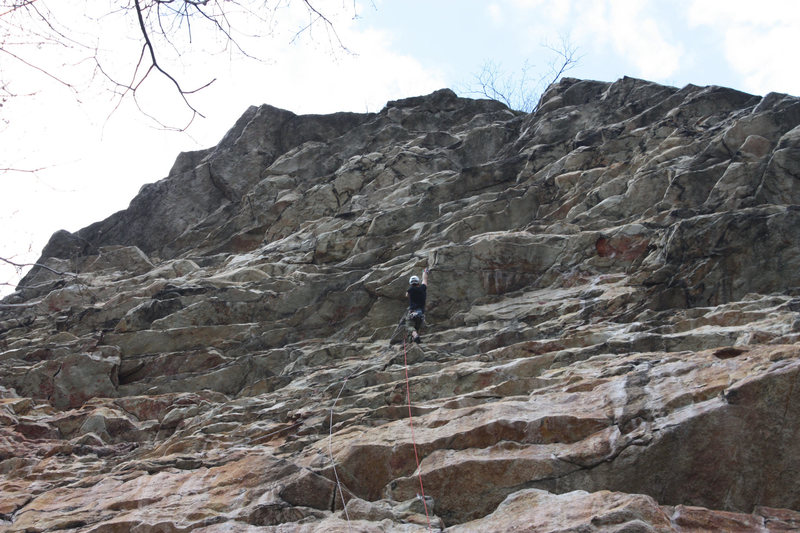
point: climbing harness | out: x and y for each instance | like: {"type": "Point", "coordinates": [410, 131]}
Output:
{"type": "Point", "coordinates": [416, 314]}
{"type": "Point", "coordinates": [413, 439]}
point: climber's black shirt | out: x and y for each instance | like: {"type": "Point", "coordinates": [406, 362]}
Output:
{"type": "Point", "coordinates": [416, 297]}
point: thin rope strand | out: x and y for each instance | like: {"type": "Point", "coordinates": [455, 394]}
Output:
{"type": "Point", "coordinates": [330, 445]}
{"type": "Point", "coordinates": [413, 439]}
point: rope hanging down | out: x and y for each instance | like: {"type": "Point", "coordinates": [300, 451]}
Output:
{"type": "Point", "coordinates": [330, 445]}
{"type": "Point", "coordinates": [413, 440]}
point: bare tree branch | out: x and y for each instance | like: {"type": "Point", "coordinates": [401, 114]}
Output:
{"type": "Point", "coordinates": [23, 265]}
{"type": "Point", "coordinates": [316, 16]}
{"type": "Point", "coordinates": [4, 170]}
{"type": "Point", "coordinates": [34, 67]}
{"type": "Point", "coordinates": [511, 89]}
{"type": "Point", "coordinates": [566, 59]}
{"type": "Point", "coordinates": [160, 23]}
{"type": "Point", "coordinates": [519, 90]}
{"type": "Point", "coordinates": [149, 46]}
{"type": "Point", "coordinates": [26, 3]}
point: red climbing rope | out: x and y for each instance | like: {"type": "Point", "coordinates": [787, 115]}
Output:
{"type": "Point", "coordinates": [413, 440]}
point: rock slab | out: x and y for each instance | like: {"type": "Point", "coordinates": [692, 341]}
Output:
{"type": "Point", "coordinates": [611, 340]}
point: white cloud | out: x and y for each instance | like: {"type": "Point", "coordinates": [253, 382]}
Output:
{"type": "Point", "coordinates": [765, 13]}
{"type": "Point", "coordinates": [760, 56]}
{"type": "Point", "coordinates": [495, 13]}
{"type": "Point", "coordinates": [528, 4]}
{"type": "Point", "coordinates": [560, 11]}
{"type": "Point", "coordinates": [549, 12]}
{"type": "Point", "coordinates": [635, 34]}
{"type": "Point", "coordinates": [756, 41]}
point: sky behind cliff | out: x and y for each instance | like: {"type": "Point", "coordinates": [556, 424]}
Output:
{"type": "Point", "coordinates": [91, 157]}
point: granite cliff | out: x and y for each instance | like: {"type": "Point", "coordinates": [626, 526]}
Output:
{"type": "Point", "coordinates": [613, 341]}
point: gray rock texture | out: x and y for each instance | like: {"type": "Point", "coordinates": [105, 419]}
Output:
{"type": "Point", "coordinates": [612, 338]}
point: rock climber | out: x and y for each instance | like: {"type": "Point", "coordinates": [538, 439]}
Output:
{"type": "Point", "coordinates": [415, 315]}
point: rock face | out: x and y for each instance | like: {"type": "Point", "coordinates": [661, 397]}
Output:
{"type": "Point", "coordinates": [612, 342]}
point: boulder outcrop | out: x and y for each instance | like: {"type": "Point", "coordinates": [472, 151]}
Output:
{"type": "Point", "coordinates": [612, 338]}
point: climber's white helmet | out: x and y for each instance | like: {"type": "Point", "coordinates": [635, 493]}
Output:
{"type": "Point", "coordinates": [413, 280]}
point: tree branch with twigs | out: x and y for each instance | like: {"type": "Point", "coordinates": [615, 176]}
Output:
{"type": "Point", "coordinates": [520, 90]}
{"type": "Point", "coordinates": [24, 265]}
{"type": "Point", "coordinates": [162, 26]}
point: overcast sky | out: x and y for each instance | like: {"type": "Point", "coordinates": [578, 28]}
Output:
{"type": "Point", "coordinates": [90, 152]}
